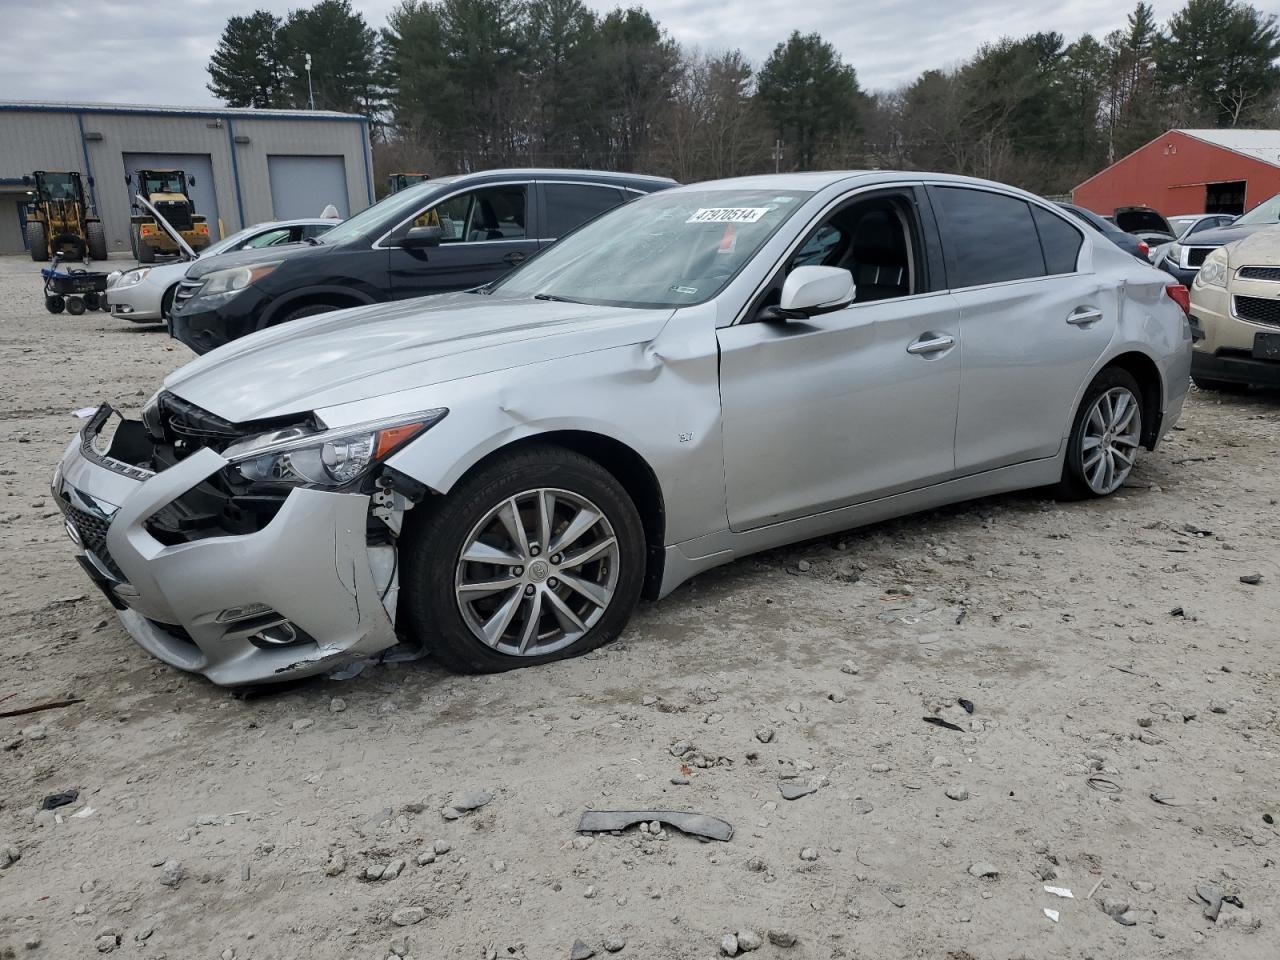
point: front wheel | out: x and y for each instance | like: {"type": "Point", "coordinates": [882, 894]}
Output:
{"type": "Point", "coordinates": [1105, 437]}
{"type": "Point", "coordinates": [537, 557]}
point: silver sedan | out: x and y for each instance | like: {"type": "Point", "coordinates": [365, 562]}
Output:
{"type": "Point", "coordinates": [145, 293]}
{"type": "Point", "coordinates": [499, 475]}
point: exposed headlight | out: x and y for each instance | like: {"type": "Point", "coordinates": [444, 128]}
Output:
{"type": "Point", "coordinates": [222, 285]}
{"type": "Point", "coordinates": [131, 278]}
{"type": "Point", "coordinates": [1173, 253]}
{"type": "Point", "coordinates": [329, 458]}
{"type": "Point", "coordinates": [1213, 272]}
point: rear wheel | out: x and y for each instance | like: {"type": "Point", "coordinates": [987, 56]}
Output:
{"type": "Point", "coordinates": [96, 238]}
{"type": "Point", "coordinates": [54, 303]}
{"type": "Point", "coordinates": [1105, 437]}
{"type": "Point", "coordinates": [38, 240]}
{"type": "Point", "coordinates": [75, 306]}
{"type": "Point", "coordinates": [538, 557]}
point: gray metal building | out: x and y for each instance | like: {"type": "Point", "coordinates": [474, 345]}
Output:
{"type": "Point", "coordinates": [249, 165]}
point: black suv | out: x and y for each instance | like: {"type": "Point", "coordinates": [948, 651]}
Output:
{"type": "Point", "coordinates": [451, 233]}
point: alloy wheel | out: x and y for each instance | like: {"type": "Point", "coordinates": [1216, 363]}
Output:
{"type": "Point", "coordinates": [1109, 443]}
{"type": "Point", "coordinates": [537, 572]}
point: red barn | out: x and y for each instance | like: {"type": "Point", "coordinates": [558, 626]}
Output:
{"type": "Point", "coordinates": [1190, 171]}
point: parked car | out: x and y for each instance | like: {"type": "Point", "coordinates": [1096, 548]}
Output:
{"type": "Point", "coordinates": [1182, 259]}
{"type": "Point", "coordinates": [1125, 241]}
{"type": "Point", "coordinates": [1188, 226]}
{"type": "Point", "coordinates": [450, 233]}
{"type": "Point", "coordinates": [701, 374]}
{"type": "Point", "coordinates": [1146, 224]}
{"type": "Point", "coordinates": [1235, 315]}
{"type": "Point", "coordinates": [145, 294]}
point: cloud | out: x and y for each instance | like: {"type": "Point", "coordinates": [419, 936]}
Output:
{"type": "Point", "coordinates": [141, 52]}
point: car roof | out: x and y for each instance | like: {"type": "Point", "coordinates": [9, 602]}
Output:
{"type": "Point", "coordinates": [551, 173]}
{"type": "Point", "coordinates": [819, 180]}
{"type": "Point", "coordinates": [296, 222]}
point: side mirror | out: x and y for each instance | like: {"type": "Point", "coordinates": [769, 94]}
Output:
{"type": "Point", "coordinates": [191, 181]}
{"type": "Point", "coordinates": [27, 181]}
{"type": "Point", "coordinates": [419, 237]}
{"type": "Point", "coordinates": [809, 291]}
{"type": "Point", "coordinates": [128, 178]}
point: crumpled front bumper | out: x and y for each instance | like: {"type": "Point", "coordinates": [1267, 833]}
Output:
{"type": "Point", "coordinates": [311, 567]}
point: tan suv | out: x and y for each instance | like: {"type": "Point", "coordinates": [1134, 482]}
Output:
{"type": "Point", "coordinates": [1235, 315]}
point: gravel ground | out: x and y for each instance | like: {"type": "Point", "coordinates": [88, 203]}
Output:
{"type": "Point", "coordinates": [1123, 740]}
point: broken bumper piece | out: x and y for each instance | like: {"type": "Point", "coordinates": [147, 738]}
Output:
{"type": "Point", "coordinates": [296, 598]}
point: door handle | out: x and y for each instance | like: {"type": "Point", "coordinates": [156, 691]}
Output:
{"type": "Point", "coordinates": [924, 347]}
{"type": "Point", "coordinates": [1083, 316]}
{"type": "Point", "coordinates": [516, 257]}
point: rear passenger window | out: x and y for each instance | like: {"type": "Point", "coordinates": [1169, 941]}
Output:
{"type": "Point", "coordinates": [1059, 240]}
{"type": "Point", "coordinates": [570, 205]}
{"type": "Point", "coordinates": [986, 237]}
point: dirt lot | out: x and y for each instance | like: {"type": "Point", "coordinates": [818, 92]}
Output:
{"type": "Point", "coordinates": [213, 826]}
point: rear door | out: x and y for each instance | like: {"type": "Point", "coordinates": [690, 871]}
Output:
{"type": "Point", "coordinates": [485, 231]}
{"type": "Point", "coordinates": [566, 206]}
{"type": "Point", "coordinates": [1032, 323]}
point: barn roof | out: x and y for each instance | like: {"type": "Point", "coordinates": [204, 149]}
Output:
{"type": "Point", "coordinates": [1261, 145]}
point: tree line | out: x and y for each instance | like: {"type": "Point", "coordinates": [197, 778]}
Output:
{"type": "Point", "coordinates": [459, 85]}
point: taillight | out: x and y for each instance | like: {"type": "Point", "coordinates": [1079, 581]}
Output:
{"type": "Point", "coordinates": [1144, 249]}
{"type": "Point", "coordinates": [1179, 295]}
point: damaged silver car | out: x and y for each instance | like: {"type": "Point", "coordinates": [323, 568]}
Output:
{"type": "Point", "coordinates": [499, 475]}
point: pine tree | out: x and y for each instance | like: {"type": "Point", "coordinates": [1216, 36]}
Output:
{"type": "Point", "coordinates": [244, 70]}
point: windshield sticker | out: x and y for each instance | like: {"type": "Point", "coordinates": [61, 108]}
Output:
{"type": "Point", "coordinates": [687, 291]}
{"type": "Point", "coordinates": [728, 215]}
{"type": "Point", "coordinates": [783, 199]}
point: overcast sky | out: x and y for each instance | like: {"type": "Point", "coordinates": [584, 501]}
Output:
{"type": "Point", "coordinates": [155, 52]}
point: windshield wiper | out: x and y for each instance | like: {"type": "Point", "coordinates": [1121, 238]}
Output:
{"type": "Point", "coordinates": [554, 297]}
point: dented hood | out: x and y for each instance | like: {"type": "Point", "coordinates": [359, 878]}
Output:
{"type": "Point", "coordinates": [365, 352]}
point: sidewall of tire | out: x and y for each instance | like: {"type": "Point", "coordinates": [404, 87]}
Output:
{"type": "Point", "coordinates": [435, 537]}
{"type": "Point", "coordinates": [1073, 484]}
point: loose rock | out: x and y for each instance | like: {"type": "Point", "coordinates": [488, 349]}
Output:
{"type": "Point", "coordinates": [729, 945]}
{"type": "Point", "coordinates": [782, 938]}
{"type": "Point", "coordinates": [172, 873]}
{"type": "Point", "coordinates": [748, 940]}
{"type": "Point", "coordinates": [614, 944]}
{"type": "Point", "coordinates": [957, 793]}
{"type": "Point", "coordinates": [809, 854]}
{"type": "Point", "coordinates": [984, 869]}
{"type": "Point", "coordinates": [408, 916]}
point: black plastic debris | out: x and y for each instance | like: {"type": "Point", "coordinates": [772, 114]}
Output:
{"type": "Point", "coordinates": [939, 722]}
{"type": "Point", "coordinates": [55, 800]}
{"type": "Point", "coordinates": [694, 824]}
{"type": "Point", "coordinates": [1103, 785]}
{"type": "Point", "coordinates": [966, 704]}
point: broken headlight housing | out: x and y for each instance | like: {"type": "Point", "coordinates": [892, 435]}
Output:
{"type": "Point", "coordinates": [297, 456]}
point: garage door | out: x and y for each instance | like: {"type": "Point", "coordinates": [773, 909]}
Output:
{"type": "Point", "coordinates": [196, 165]}
{"type": "Point", "coordinates": [304, 186]}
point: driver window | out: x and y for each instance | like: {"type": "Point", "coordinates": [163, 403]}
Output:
{"type": "Point", "coordinates": [492, 213]}
{"type": "Point", "coordinates": [268, 239]}
{"type": "Point", "coordinates": [874, 239]}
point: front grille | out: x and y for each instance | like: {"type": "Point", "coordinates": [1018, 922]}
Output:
{"type": "Point", "coordinates": [1196, 255]}
{"type": "Point", "coordinates": [1260, 273]}
{"type": "Point", "coordinates": [186, 290]}
{"type": "Point", "coordinates": [177, 213]}
{"type": "Point", "coordinates": [93, 534]}
{"type": "Point", "coordinates": [1258, 310]}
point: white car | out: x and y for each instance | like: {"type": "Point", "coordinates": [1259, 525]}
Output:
{"type": "Point", "coordinates": [145, 294]}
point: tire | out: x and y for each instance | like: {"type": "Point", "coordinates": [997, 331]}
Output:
{"type": "Point", "coordinates": [91, 301]}
{"type": "Point", "coordinates": [75, 306]}
{"type": "Point", "coordinates": [96, 240]}
{"type": "Point", "coordinates": [39, 241]}
{"type": "Point", "coordinates": [311, 310]}
{"type": "Point", "coordinates": [54, 303]}
{"type": "Point", "coordinates": [433, 567]}
{"type": "Point", "coordinates": [1080, 473]}
{"type": "Point", "coordinates": [1219, 386]}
